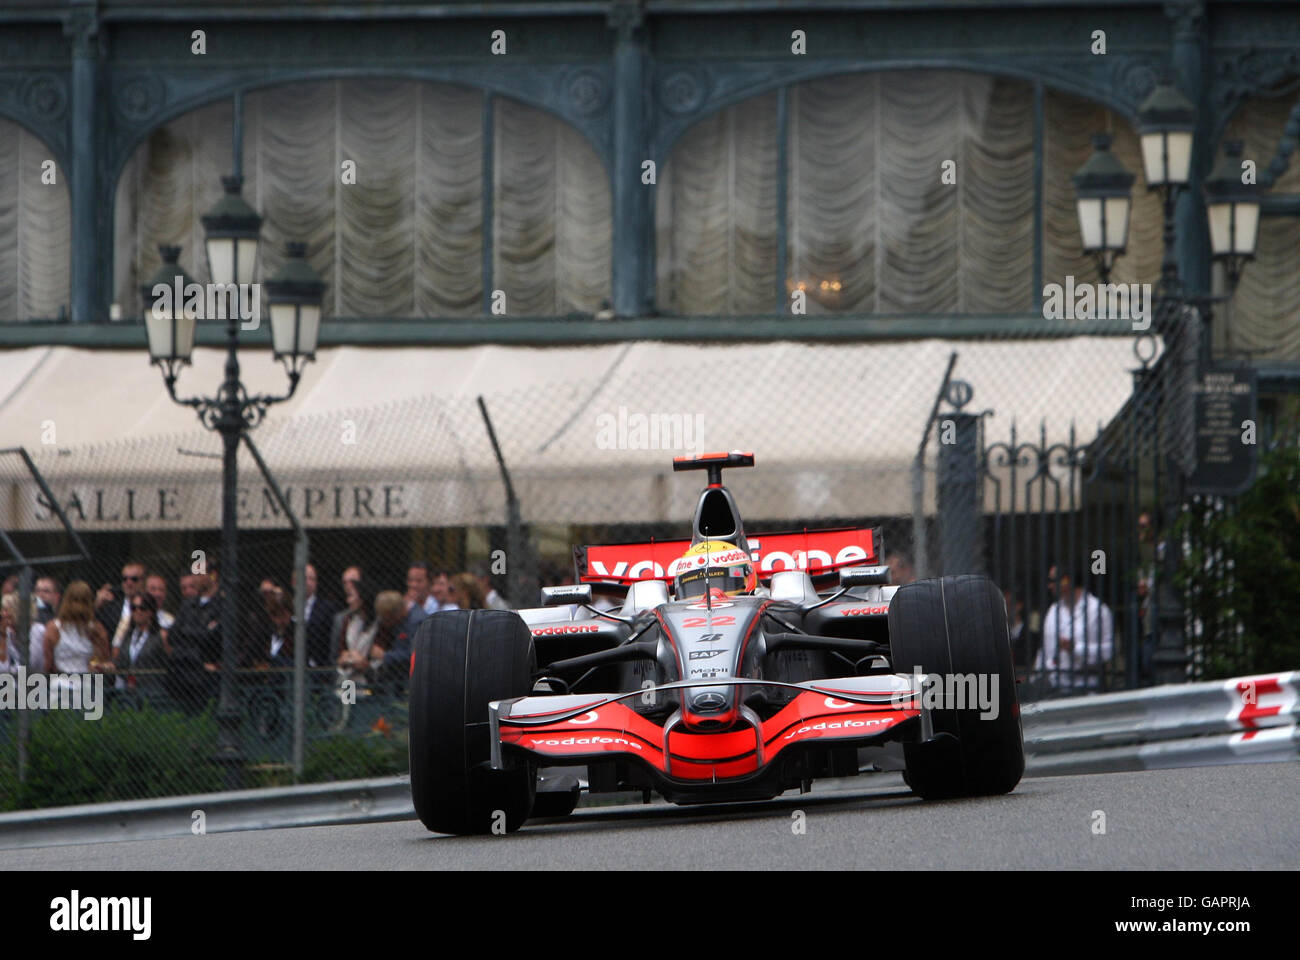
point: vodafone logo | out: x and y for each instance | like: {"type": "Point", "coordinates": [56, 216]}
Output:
{"type": "Point", "coordinates": [864, 611]}
{"type": "Point", "coordinates": [587, 741]}
{"type": "Point", "coordinates": [835, 725]}
{"type": "Point", "coordinates": [810, 550]}
{"type": "Point", "coordinates": [723, 559]}
{"type": "Point", "coordinates": [567, 629]}
{"type": "Point", "coordinates": [810, 559]}
{"type": "Point", "coordinates": [589, 717]}
{"type": "Point", "coordinates": [837, 704]}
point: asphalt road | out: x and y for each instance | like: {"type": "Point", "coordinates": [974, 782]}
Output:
{"type": "Point", "coordinates": [1219, 818]}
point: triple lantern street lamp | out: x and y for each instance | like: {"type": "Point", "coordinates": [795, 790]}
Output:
{"type": "Point", "coordinates": [1166, 127]}
{"type": "Point", "coordinates": [173, 306]}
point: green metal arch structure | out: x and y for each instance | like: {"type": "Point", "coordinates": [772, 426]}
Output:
{"type": "Point", "coordinates": [92, 78]}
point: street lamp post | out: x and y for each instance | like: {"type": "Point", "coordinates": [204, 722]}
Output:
{"type": "Point", "coordinates": [1166, 122]}
{"type": "Point", "coordinates": [232, 229]}
{"type": "Point", "coordinates": [1232, 207]}
{"type": "Point", "coordinates": [1166, 125]}
{"type": "Point", "coordinates": [1103, 202]}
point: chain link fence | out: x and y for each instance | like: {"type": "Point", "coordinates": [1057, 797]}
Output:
{"type": "Point", "coordinates": [986, 461]}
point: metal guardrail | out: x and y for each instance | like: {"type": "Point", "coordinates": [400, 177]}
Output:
{"type": "Point", "coordinates": [320, 804]}
{"type": "Point", "coordinates": [1242, 720]}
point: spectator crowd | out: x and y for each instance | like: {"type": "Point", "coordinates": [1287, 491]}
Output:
{"type": "Point", "coordinates": [154, 633]}
{"type": "Point", "coordinates": [153, 638]}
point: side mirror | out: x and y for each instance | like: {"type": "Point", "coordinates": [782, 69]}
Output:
{"type": "Point", "coordinates": [863, 576]}
{"type": "Point", "coordinates": [560, 596]}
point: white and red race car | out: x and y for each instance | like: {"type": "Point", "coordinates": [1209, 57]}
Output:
{"type": "Point", "coordinates": [716, 696]}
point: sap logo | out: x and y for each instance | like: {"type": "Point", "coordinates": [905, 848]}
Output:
{"type": "Point", "coordinates": [864, 611]}
{"type": "Point", "coordinates": [560, 631]}
{"type": "Point", "coordinates": [703, 654]}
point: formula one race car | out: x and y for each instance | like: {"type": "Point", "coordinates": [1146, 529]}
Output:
{"type": "Point", "coordinates": [740, 682]}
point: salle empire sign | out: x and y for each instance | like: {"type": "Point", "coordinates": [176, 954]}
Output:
{"type": "Point", "coordinates": [198, 506]}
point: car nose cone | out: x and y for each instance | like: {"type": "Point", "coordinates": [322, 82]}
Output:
{"type": "Point", "coordinates": [711, 702]}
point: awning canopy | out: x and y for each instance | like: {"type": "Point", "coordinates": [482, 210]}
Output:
{"type": "Point", "coordinates": [394, 436]}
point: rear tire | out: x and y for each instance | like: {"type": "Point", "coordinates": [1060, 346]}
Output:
{"type": "Point", "coordinates": [958, 625]}
{"type": "Point", "coordinates": [461, 660]}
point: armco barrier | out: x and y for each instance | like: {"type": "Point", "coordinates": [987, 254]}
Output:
{"type": "Point", "coordinates": [1243, 720]}
{"type": "Point", "coordinates": [318, 804]}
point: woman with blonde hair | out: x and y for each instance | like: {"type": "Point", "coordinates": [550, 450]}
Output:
{"type": "Point", "coordinates": [9, 656]}
{"type": "Point", "coordinates": [75, 642]}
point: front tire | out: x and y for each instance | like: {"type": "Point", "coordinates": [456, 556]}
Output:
{"type": "Point", "coordinates": [958, 625]}
{"type": "Point", "coordinates": [461, 660]}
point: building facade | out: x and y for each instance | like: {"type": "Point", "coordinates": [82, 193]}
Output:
{"type": "Point", "coordinates": [519, 172]}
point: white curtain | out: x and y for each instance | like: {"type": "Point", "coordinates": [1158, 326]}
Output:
{"type": "Point", "coordinates": [716, 214]}
{"type": "Point", "coordinates": [552, 217]}
{"type": "Point", "coordinates": [872, 225]}
{"type": "Point", "coordinates": [405, 238]}
{"type": "Point", "coordinates": [1265, 311]}
{"type": "Point", "coordinates": [35, 238]}
{"type": "Point", "coordinates": [1069, 125]}
{"type": "Point", "coordinates": [172, 179]}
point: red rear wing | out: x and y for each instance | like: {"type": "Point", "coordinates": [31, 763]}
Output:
{"type": "Point", "coordinates": [816, 551]}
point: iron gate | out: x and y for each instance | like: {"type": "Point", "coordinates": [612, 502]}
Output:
{"type": "Point", "coordinates": [1100, 524]}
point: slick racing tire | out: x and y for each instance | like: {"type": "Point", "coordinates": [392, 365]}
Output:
{"type": "Point", "coordinates": [462, 660]}
{"type": "Point", "coordinates": [958, 626]}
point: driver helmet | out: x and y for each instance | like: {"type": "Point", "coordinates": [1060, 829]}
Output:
{"type": "Point", "coordinates": [714, 565]}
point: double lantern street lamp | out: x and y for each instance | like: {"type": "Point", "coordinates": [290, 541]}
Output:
{"type": "Point", "coordinates": [294, 294]}
{"type": "Point", "coordinates": [1166, 125]}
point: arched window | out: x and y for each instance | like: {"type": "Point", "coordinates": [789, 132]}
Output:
{"type": "Point", "coordinates": [35, 229]}
{"type": "Point", "coordinates": [906, 192]}
{"type": "Point", "coordinates": [384, 179]}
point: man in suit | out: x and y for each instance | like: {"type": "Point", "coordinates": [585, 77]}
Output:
{"type": "Point", "coordinates": [276, 647]}
{"type": "Point", "coordinates": [48, 596]}
{"type": "Point", "coordinates": [142, 648]}
{"type": "Point", "coordinates": [113, 606]}
{"type": "Point", "coordinates": [195, 639]}
{"type": "Point", "coordinates": [419, 580]}
{"type": "Point", "coordinates": [319, 614]}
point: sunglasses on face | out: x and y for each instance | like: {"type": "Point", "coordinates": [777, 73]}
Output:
{"type": "Point", "coordinates": [126, 579]}
{"type": "Point", "coordinates": [136, 608]}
